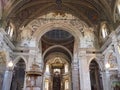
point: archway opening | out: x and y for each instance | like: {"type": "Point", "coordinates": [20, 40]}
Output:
{"type": "Point", "coordinates": [57, 37]}
{"type": "Point", "coordinates": [18, 76]}
{"type": "Point", "coordinates": [95, 76]}
{"type": "Point", "coordinates": [57, 60]}
{"type": "Point", "coordinates": [57, 74]}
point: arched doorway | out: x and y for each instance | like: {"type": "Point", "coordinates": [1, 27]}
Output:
{"type": "Point", "coordinates": [57, 75]}
{"type": "Point", "coordinates": [95, 77]}
{"type": "Point", "coordinates": [18, 76]}
{"type": "Point", "coordinates": [57, 47]}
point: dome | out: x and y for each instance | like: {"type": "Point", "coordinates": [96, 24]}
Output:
{"type": "Point", "coordinates": [57, 35]}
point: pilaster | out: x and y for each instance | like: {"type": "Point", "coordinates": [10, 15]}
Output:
{"type": "Point", "coordinates": [7, 80]}
{"type": "Point", "coordinates": [84, 71]}
{"type": "Point", "coordinates": [106, 78]}
{"type": "Point", "coordinates": [75, 76]}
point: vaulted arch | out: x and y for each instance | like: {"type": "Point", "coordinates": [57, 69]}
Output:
{"type": "Point", "coordinates": [18, 75]}
{"type": "Point", "coordinates": [57, 46]}
{"type": "Point", "coordinates": [95, 76]}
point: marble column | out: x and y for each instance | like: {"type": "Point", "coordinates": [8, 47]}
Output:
{"type": "Point", "coordinates": [103, 79]}
{"type": "Point", "coordinates": [106, 79]}
{"type": "Point", "coordinates": [75, 77]}
{"type": "Point", "coordinates": [84, 72]}
{"type": "Point", "coordinates": [7, 80]}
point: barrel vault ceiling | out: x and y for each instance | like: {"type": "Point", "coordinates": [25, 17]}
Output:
{"type": "Point", "coordinates": [91, 11]}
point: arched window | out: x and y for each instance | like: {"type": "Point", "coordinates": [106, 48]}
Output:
{"type": "Point", "coordinates": [66, 85]}
{"type": "Point", "coordinates": [118, 48]}
{"type": "Point", "coordinates": [10, 30]}
{"type": "Point", "coordinates": [47, 68]}
{"type": "Point", "coordinates": [104, 30]}
{"type": "Point", "coordinates": [46, 85]}
{"type": "Point", "coordinates": [66, 68]}
{"type": "Point", "coordinates": [112, 60]}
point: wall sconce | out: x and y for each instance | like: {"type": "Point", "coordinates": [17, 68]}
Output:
{"type": "Point", "coordinates": [107, 65]}
{"type": "Point", "coordinates": [10, 64]}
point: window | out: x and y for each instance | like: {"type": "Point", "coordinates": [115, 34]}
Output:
{"type": "Point", "coordinates": [47, 68]}
{"type": "Point", "coordinates": [66, 68]}
{"type": "Point", "coordinates": [104, 30]}
{"type": "Point", "coordinates": [66, 85]}
{"type": "Point", "coordinates": [118, 48]}
{"type": "Point", "coordinates": [10, 30]}
{"type": "Point", "coordinates": [57, 70]}
{"type": "Point", "coordinates": [46, 85]}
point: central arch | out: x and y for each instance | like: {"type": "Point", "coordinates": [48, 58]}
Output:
{"type": "Point", "coordinates": [49, 21]}
{"type": "Point", "coordinates": [76, 28]}
{"type": "Point", "coordinates": [51, 26]}
{"type": "Point", "coordinates": [58, 55]}
{"type": "Point", "coordinates": [55, 46]}
{"type": "Point", "coordinates": [57, 75]}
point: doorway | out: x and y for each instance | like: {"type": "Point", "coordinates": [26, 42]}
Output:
{"type": "Point", "coordinates": [95, 77]}
{"type": "Point", "coordinates": [57, 48]}
{"type": "Point", "coordinates": [18, 76]}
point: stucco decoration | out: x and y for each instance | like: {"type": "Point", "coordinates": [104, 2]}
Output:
{"type": "Point", "coordinates": [25, 37]}
{"type": "Point", "coordinates": [51, 17]}
{"type": "Point", "coordinates": [87, 36]}
{"type": "Point", "coordinates": [112, 60]}
{"type": "Point", "coordinates": [88, 40]}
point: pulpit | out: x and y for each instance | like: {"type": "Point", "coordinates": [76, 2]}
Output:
{"type": "Point", "coordinates": [34, 78]}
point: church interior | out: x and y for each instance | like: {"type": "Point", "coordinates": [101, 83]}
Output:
{"type": "Point", "coordinates": [59, 44]}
